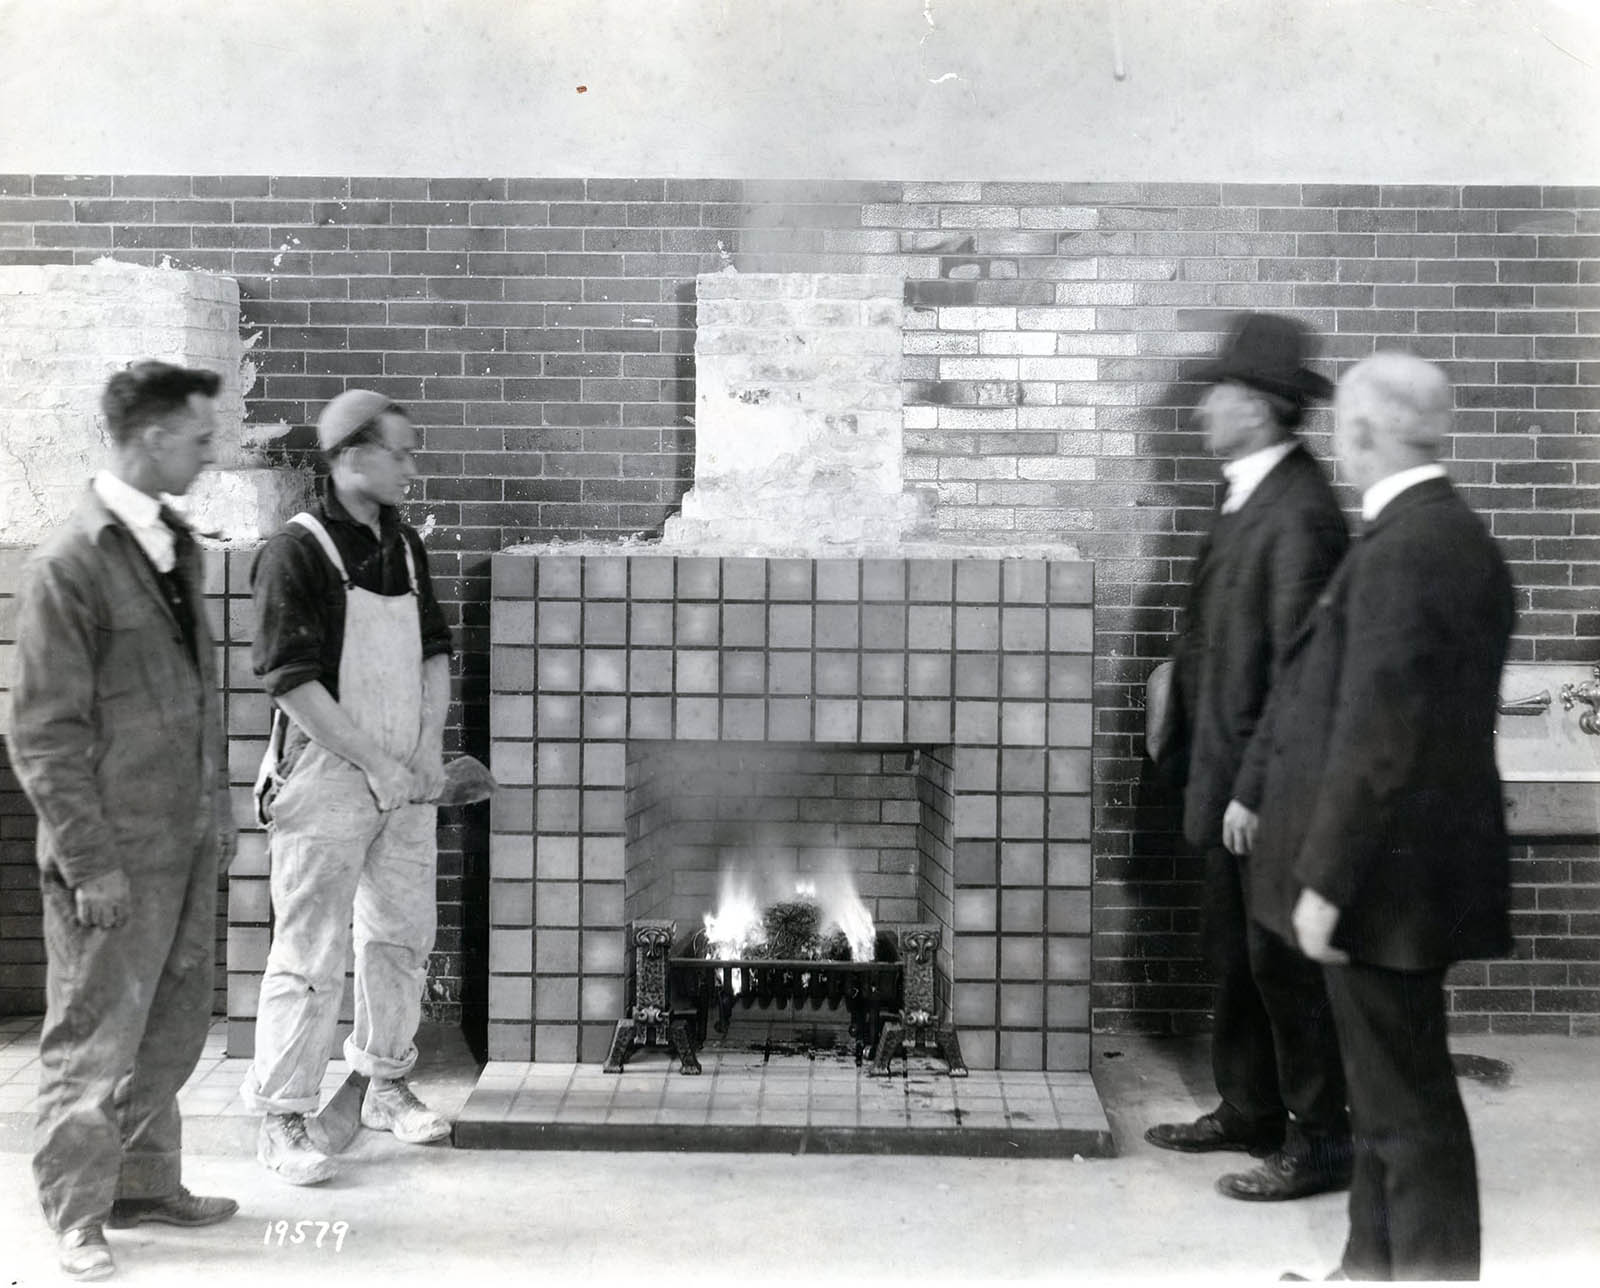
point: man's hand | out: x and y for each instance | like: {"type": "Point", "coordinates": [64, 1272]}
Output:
{"type": "Point", "coordinates": [104, 901]}
{"type": "Point", "coordinates": [1314, 922]}
{"type": "Point", "coordinates": [390, 782]}
{"type": "Point", "coordinates": [1239, 828]}
{"type": "Point", "coordinates": [427, 774]}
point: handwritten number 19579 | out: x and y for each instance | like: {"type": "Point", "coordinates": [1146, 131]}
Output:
{"type": "Point", "coordinates": [281, 1233]}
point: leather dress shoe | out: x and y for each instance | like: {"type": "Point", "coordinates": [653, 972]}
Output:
{"type": "Point", "coordinates": [1206, 1134]}
{"type": "Point", "coordinates": [1284, 1176]}
{"type": "Point", "coordinates": [182, 1208]}
{"type": "Point", "coordinates": [84, 1255]}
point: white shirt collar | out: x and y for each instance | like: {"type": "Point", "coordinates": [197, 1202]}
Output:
{"type": "Point", "coordinates": [142, 515]}
{"type": "Point", "coordinates": [1245, 473]}
{"type": "Point", "coordinates": [1385, 490]}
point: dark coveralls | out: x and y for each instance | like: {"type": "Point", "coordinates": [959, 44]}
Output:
{"type": "Point", "coordinates": [117, 740]}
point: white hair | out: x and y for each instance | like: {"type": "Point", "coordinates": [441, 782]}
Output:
{"type": "Point", "coordinates": [1401, 400]}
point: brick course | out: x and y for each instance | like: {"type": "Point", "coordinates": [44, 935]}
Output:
{"type": "Point", "coordinates": [541, 329]}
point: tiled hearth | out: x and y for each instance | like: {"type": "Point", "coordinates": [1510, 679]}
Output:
{"type": "Point", "coordinates": [982, 665]}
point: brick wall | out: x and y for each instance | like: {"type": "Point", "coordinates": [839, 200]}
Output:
{"type": "Point", "coordinates": [541, 329]}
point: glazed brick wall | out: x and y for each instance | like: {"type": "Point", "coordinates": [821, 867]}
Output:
{"type": "Point", "coordinates": [542, 331]}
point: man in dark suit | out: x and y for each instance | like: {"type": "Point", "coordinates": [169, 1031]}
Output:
{"type": "Point", "coordinates": [1381, 844]}
{"type": "Point", "coordinates": [1275, 543]}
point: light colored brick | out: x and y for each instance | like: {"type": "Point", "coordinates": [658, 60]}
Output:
{"type": "Point", "coordinates": [914, 192]}
{"type": "Point", "coordinates": [1073, 217]}
{"type": "Point", "coordinates": [971, 319]}
{"type": "Point", "coordinates": [978, 217]}
{"type": "Point", "coordinates": [1018, 342]}
{"type": "Point", "coordinates": [1045, 318]}
{"type": "Point", "coordinates": [1056, 467]}
{"type": "Point", "coordinates": [977, 418]}
{"type": "Point", "coordinates": [1059, 368]}
{"type": "Point", "coordinates": [978, 368]}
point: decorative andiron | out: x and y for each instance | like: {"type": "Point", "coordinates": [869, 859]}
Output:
{"type": "Point", "coordinates": [918, 1019]}
{"type": "Point", "coordinates": [651, 1011]}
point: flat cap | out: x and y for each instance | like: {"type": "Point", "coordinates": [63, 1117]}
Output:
{"type": "Point", "coordinates": [347, 413]}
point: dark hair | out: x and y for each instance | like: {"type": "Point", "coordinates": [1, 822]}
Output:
{"type": "Point", "coordinates": [370, 431]}
{"type": "Point", "coordinates": [146, 391]}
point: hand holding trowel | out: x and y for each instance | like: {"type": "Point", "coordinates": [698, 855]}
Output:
{"type": "Point", "coordinates": [334, 1126]}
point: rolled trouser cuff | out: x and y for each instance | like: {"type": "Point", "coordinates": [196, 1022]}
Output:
{"type": "Point", "coordinates": [378, 1066]}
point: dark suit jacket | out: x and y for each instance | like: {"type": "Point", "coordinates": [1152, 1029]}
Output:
{"type": "Point", "coordinates": [1255, 580]}
{"type": "Point", "coordinates": [1375, 775]}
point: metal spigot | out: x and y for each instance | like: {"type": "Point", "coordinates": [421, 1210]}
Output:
{"type": "Point", "coordinates": [1534, 705]}
{"type": "Point", "coordinates": [1588, 692]}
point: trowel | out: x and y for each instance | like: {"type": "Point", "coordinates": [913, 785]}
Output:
{"type": "Point", "coordinates": [334, 1126]}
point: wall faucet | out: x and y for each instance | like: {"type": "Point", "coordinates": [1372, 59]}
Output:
{"type": "Point", "coordinates": [1587, 692]}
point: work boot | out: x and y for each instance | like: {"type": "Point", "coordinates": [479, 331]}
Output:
{"type": "Point", "coordinates": [83, 1254]}
{"type": "Point", "coordinates": [391, 1105]}
{"type": "Point", "coordinates": [182, 1208]}
{"type": "Point", "coordinates": [283, 1147]}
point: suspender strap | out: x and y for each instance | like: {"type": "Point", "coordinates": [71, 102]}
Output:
{"type": "Point", "coordinates": [313, 525]}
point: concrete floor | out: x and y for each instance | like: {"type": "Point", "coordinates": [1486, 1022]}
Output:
{"type": "Point", "coordinates": [437, 1215]}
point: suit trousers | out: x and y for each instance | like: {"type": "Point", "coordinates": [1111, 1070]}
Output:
{"type": "Point", "coordinates": [1414, 1195]}
{"type": "Point", "coordinates": [126, 1016]}
{"type": "Point", "coordinates": [1274, 1050]}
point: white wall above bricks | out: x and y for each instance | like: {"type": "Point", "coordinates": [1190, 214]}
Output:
{"type": "Point", "coordinates": [63, 331]}
{"type": "Point", "coordinates": [1375, 90]}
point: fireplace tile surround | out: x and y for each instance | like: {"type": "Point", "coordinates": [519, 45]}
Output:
{"type": "Point", "coordinates": [984, 664]}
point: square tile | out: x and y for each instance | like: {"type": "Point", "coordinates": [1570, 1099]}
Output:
{"type": "Point", "coordinates": [1071, 630]}
{"type": "Point", "coordinates": [744, 625]}
{"type": "Point", "coordinates": [1022, 769]}
{"type": "Point", "coordinates": [1071, 724]}
{"type": "Point", "coordinates": [883, 722]}
{"type": "Point", "coordinates": [697, 670]}
{"type": "Point", "coordinates": [1022, 957]}
{"type": "Point", "coordinates": [789, 673]}
{"type": "Point", "coordinates": [883, 626]}
{"type": "Point", "coordinates": [605, 623]}
{"type": "Point", "coordinates": [605, 717]}
{"type": "Point", "coordinates": [789, 579]}
{"type": "Point", "coordinates": [977, 675]}
{"type": "Point", "coordinates": [929, 626]}
{"type": "Point", "coordinates": [1024, 581]}
{"type": "Point", "coordinates": [605, 577]}
{"type": "Point", "coordinates": [557, 763]}
{"type": "Point", "coordinates": [1022, 817]}
{"type": "Point", "coordinates": [744, 672]}
{"type": "Point", "coordinates": [650, 577]}
{"type": "Point", "coordinates": [838, 626]}
{"type": "Point", "coordinates": [1071, 583]}
{"type": "Point", "coordinates": [978, 628]}
{"type": "Point", "coordinates": [977, 722]}
{"type": "Point", "coordinates": [928, 675]}
{"type": "Point", "coordinates": [931, 580]}
{"type": "Point", "coordinates": [1071, 676]}
{"type": "Point", "coordinates": [650, 670]}
{"type": "Point", "coordinates": [836, 673]}
{"type": "Point", "coordinates": [512, 577]}
{"type": "Point", "coordinates": [744, 719]}
{"type": "Point", "coordinates": [838, 579]}
{"type": "Point", "coordinates": [1069, 863]}
{"type": "Point", "coordinates": [556, 856]}
{"type": "Point", "coordinates": [1022, 724]}
{"type": "Point", "coordinates": [560, 577]}
{"type": "Point", "coordinates": [1067, 818]}
{"type": "Point", "coordinates": [744, 578]}
{"type": "Point", "coordinates": [975, 910]}
{"type": "Point", "coordinates": [1021, 863]}
{"type": "Point", "coordinates": [697, 718]}
{"type": "Point", "coordinates": [977, 581]}
{"type": "Point", "coordinates": [928, 720]}
{"type": "Point", "coordinates": [1022, 911]}
{"type": "Point", "coordinates": [883, 674]}
{"type": "Point", "coordinates": [605, 670]}
{"type": "Point", "coordinates": [560, 670]}
{"type": "Point", "coordinates": [650, 717]}
{"type": "Point", "coordinates": [557, 623]}
{"type": "Point", "coordinates": [836, 720]}
{"type": "Point", "coordinates": [883, 580]}
{"type": "Point", "coordinates": [650, 624]}
{"type": "Point", "coordinates": [1068, 911]}
{"type": "Point", "coordinates": [789, 625]}
{"type": "Point", "coordinates": [699, 577]}
{"type": "Point", "coordinates": [697, 624]}
{"type": "Point", "coordinates": [789, 719]}
{"type": "Point", "coordinates": [1022, 630]}
{"type": "Point", "coordinates": [977, 769]}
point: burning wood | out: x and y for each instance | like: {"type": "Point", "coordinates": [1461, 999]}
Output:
{"type": "Point", "coordinates": [831, 926]}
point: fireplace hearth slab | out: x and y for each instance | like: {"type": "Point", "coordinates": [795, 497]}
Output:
{"type": "Point", "coordinates": [746, 1103]}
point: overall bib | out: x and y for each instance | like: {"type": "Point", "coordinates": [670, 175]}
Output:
{"type": "Point", "coordinates": [336, 858]}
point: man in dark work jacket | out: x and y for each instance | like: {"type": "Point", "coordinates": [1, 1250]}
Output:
{"type": "Point", "coordinates": [1381, 845]}
{"type": "Point", "coordinates": [1276, 541]}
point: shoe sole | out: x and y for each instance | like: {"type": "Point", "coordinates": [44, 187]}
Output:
{"type": "Point", "coordinates": [291, 1180]}
{"type": "Point", "coordinates": [406, 1138]}
{"type": "Point", "coordinates": [1330, 1188]}
{"type": "Point", "coordinates": [155, 1218]}
{"type": "Point", "coordinates": [1231, 1147]}
{"type": "Point", "coordinates": [92, 1275]}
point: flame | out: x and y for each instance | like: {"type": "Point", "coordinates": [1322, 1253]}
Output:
{"type": "Point", "coordinates": [736, 926]}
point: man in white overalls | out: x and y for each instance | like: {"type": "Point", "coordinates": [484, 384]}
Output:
{"type": "Point", "coordinates": [352, 646]}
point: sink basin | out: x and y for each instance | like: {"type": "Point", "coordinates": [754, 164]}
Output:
{"type": "Point", "coordinates": [1550, 767]}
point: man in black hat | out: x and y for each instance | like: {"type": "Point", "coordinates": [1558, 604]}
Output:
{"type": "Point", "coordinates": [1276, 540]}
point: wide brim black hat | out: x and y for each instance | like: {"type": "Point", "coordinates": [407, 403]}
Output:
{"type": "Point", "coordinates": [1267, 351]}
